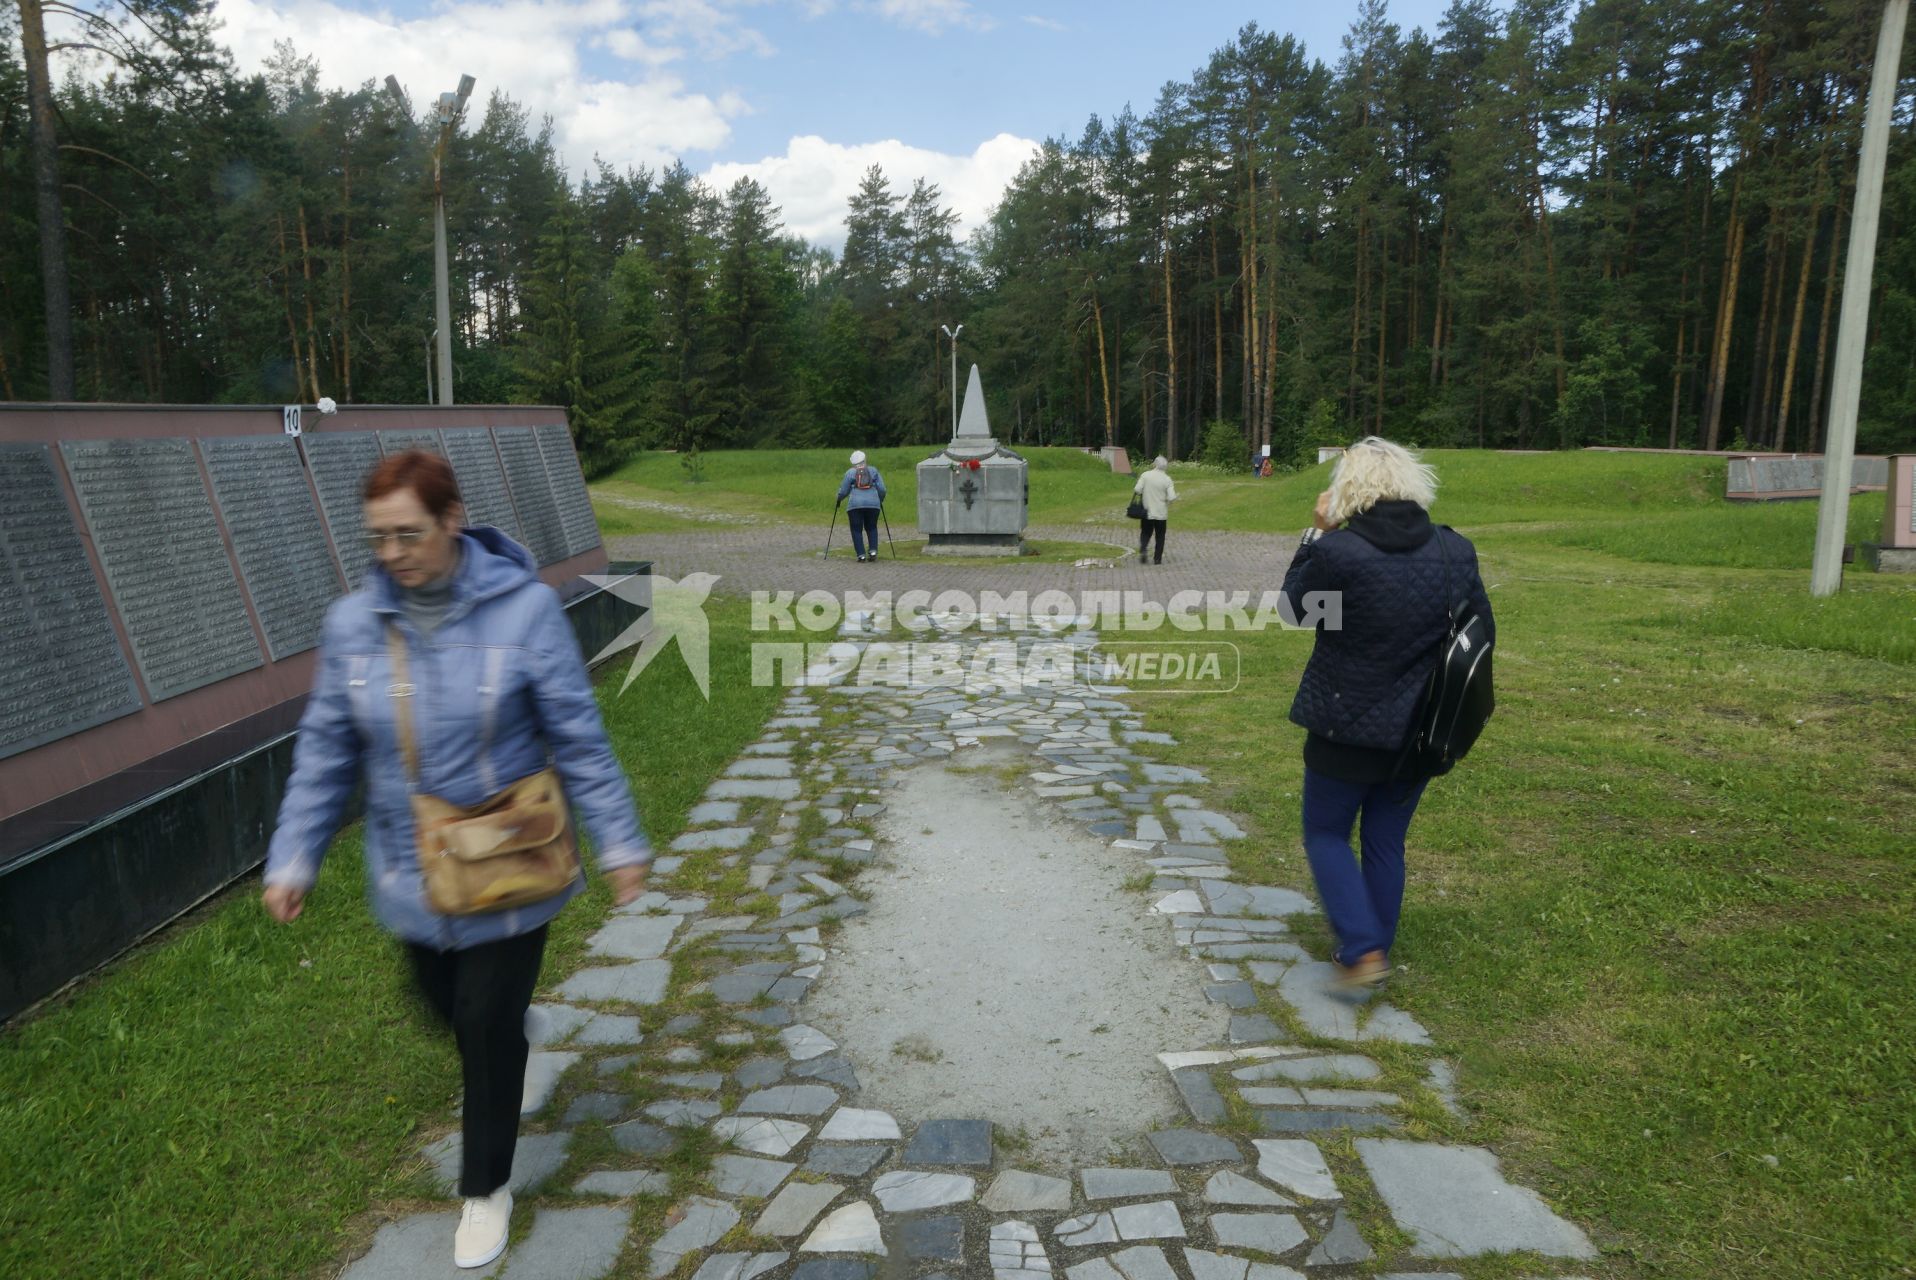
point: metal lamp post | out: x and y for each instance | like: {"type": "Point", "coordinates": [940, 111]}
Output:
{"type": "Point", "coordinates": [953, 335]}
{"type": "Point", "coordinates": [1839, 447]}
{"type": "Point", "coordinates": [451, 106]}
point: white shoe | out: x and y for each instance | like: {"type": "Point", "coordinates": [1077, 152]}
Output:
{"type": "Point", "coordinates": [483, 1225]}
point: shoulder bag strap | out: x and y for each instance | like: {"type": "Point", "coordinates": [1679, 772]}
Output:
{"type": "Point", "coordinates": [401, 691]}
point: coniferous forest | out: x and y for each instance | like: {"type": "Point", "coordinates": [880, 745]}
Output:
{"type": "Point", "coordinates": [1540, 225]}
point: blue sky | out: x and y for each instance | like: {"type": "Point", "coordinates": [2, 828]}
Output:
{"type": "Point", "coordinates": [801, 94]}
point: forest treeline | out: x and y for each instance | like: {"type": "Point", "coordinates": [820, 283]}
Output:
{"type": "Point", "coordinates": [1540, 225]}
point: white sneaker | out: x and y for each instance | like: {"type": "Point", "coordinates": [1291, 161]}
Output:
{"type": "Point", "coordinates": [483, 1225]}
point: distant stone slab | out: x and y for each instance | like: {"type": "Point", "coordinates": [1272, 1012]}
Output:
{"type": "Point", "coordinates": [571, 1244]}
{"type": "Point", "coordinates": [852, 1229]}
{"type": "Point", "coordinates": [1296, 1165]}
{"type": "Point", "coordinates": [1272, 1233]}
{"type": "Point", "coordinates": [703, 1224]}
{"type": "Point", "coordinates": [765, 1135]}
{"type": "Point", "coordinates": [1206, 1265]}
{"type": "Point", "coordinates": [1118, 1184]}
{"type": "Point", "coordinates": [621, 1183]}
{"type": "Point", "coordinates": [745, 788]}
{"type": "Point", "coordinates": [1016, 1190]}
{"type": "Point", "coordinates": [543, 1069]}
{"type": "Point", "coordinates": [940, 1239]}
{"type": "Point", "coordinates": [845, 1162]}
{"type": "Point", "coordinates": [738, 1266]}
{"type": "Point", "coordinates": [1335, 1066]}
{"type": "Point", "coordinates": [1341, 1246]}
{"type": "Point", "coordinates": [1314, 1121]}
{"type": "Point", "coordinates": [712, 838]}
{"type": "Point", "coordinates": [634, 937]}
{"type": "Point", "coordinates": [910, 1190]}
{"type": "Point", "coordinates": [1193, 1147]}
{"type": "Point", "coordinates": [709, 811]}
{"type": "Point", "coordinates": [951, 1142]}
{"type": "Point", "coordinates": [850, 1124]}
{"type": "Point", "coordinates": [790, 1100]}
{"type": "Point", "coordinates": [748, 1175]}
{"type": "Point", "coordinates": [1456, 1203]}
{"type": "Point", "coordinates": [795, 1208]}
{"type": "Point", "coordinates": [642, 982]}
{"type": "Point", "coordinates": [1229, 1187]}
{"type": "Point", "coordinates": [416, 1248]}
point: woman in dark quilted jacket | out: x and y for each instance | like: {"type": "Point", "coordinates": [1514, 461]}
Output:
{"type": "Point", "coordinates": [1373, 544]}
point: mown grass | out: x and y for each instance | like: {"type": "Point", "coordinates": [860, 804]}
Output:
{"type": "Point", "coordinates": [231, 1098]}
{"type": "Point", "coordinates": [1660, 917]}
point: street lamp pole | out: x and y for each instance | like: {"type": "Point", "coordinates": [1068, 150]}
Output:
{"type": "Point", "coordinates": [1839, 445]}
{"type": "Point", "coordinates": [451, 106]}
{"type": "Point", "coordinates": [953, 335]}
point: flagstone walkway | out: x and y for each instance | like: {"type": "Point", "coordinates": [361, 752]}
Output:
{"type": "Point", "coordinates": [1288, 1160]}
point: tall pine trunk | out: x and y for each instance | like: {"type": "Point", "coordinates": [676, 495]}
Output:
{"type": "Point", "coordinates": [1796, 328]}
{"type": "Point", "coordinates": [1811, 440]}
{"type": "Point", "coordinates": [1170, 357]}
{"type": "Point", "coordinates": [56, 297]}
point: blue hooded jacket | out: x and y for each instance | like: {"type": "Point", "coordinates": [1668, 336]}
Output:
{"type": "Point", "coordinates": [500, 691]}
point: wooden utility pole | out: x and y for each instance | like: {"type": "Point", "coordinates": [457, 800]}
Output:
{"type": "Point", "coordinates": [1839, 453]}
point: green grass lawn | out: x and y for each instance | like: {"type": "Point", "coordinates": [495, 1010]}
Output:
{"type": "Point", "coordinates": [230, 1099]}
{"type": "Point", "coordinates": [1660, 919]}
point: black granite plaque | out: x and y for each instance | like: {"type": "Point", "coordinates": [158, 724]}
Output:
{"type": "Point", "coordinates": [260, 483]}
{"type": "Point", "coordinates": [400, 441]}
{"type": "Point", "coordinates": [166, 564]}
{"type": "Point", "coordinates": [539, 523]}
{"type": "Point", "coordinates": [340, 463]}
{"type": "Point", "coordinates": [482, 484]}
{"type": "Point", "coordinates": [63, 669]}
{"type": "Point", "coordinates": [568, 490]}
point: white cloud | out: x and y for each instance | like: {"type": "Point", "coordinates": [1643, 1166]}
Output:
{"type": "Point", "coordinates": [1049, 24]}
{"type": "Point", "coordinates": [814, 180]}
{"type": "Point", "coordinates": [529, 49]}
{"type": "Point", "coordinates": [933, 17]}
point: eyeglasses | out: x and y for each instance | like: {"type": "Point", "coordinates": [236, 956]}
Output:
{"type": "Point", "coordinates": [404, 537]}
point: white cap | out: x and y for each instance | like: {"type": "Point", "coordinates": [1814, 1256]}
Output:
{"type": "Point", "coordinates": [858, 456]}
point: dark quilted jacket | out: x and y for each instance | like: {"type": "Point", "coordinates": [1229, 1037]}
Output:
{"type": "Point", "coordinates": [1361, 684]}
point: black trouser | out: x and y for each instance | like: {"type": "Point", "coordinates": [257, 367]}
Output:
{"type": "Point", "coordinates": [1146, 527]}
{"type": "Point", "coordinates": [482, 993]}
{"type": "Point", "coordinates": [864, 522]}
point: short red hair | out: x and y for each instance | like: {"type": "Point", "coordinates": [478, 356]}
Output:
{"type": "Point", "coordinates": [427, 474]}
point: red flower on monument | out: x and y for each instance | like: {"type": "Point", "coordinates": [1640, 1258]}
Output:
{"type": "Point", "coordinates": [972, 464]}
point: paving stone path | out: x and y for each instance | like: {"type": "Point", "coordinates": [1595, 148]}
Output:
{"type": "Point", "coordinates": [1256, 1181]}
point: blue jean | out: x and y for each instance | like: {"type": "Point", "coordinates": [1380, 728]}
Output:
{"type": "Point", "coordinates": [864, 521]}
{"type": "Point", "coordinates": [1362, 901]}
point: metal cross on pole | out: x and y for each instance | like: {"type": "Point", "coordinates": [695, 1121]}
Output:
{"type": "Point", "coordinates": [953, 335]}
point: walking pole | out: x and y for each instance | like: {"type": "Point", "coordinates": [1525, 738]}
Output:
{"type": "Point", "coordinates": [887, 520]}
{"type": "Point", "coordinates": [826, 553]}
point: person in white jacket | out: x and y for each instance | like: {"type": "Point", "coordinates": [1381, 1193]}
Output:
{"type": "Point", "coordinates": [1158, 493]}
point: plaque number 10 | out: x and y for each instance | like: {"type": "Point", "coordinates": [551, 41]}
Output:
{"type": "Point", "coordinates": [290, 417]}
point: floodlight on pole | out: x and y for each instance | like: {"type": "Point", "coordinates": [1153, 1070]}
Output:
{"type": "Point", "coordinates": [953, 335]}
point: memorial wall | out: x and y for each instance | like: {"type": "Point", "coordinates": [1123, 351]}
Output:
{"type": "Point", "coordinates": [164, 574]}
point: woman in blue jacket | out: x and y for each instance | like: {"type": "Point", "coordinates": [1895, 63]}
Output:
{"type": "Point", "coordinates": [867, 490]}
{"type": "Point", "coordinates": [1373, 544]}
{"type": "Point", "coordinates": [498, 685]}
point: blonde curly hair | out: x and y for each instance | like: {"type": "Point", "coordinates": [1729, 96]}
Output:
{"type": "Point", "coordinates": [1374, 470]}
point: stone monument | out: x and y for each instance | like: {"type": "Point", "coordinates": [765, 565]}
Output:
{"type": "Point", "coordinates": [974, 496]}
{"type": "Point", "coordinates": [1896, 553]}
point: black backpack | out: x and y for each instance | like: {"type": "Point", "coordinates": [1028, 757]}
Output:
{"type": "Point", "coordinates": [1457, 700]}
